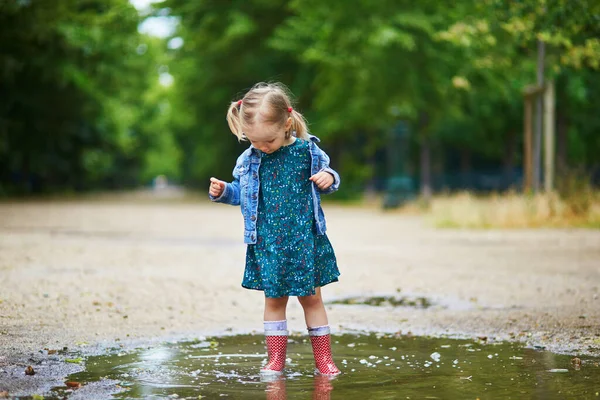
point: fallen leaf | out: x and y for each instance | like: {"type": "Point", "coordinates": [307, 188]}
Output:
{"type": "Point", "coordinates": [73, 384]}
{"type": "Point", "coordinates": [29, 371]}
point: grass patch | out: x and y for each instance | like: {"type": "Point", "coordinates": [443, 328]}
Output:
{"type": "Point", "coordinates": [514, 210]}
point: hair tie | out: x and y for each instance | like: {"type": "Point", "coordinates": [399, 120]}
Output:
{"type": "Point", "coordinates": [239, 102]}
{"type": "Point", "coordinates": [290, 109]}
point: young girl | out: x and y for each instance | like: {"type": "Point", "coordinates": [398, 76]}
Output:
{"type": "Point", "coordinates": [277, 182]}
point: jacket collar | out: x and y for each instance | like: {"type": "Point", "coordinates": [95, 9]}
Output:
{"type": "Point", "coordinates": [312, 138]}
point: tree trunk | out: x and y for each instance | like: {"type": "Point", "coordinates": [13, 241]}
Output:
{"type": "Point", "coordinates": [510, 148]}
{"type": "Point", "coordinates": [425, 170]}
{"type": "Point", "coordinates": [465, 168]}
{"type": "Point", "coordinates": [561, 141]}
{"type": "Point", "coordinates": [527, 144]}
{"type": "Point", "coordinates": [549, 137]}
{"type": "Point", "coordinates": [465, 160]}
{"type": "Point", "coordinates": [539, 108]}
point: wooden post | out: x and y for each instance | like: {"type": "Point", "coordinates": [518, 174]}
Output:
{"type": "Point", "coordinates": [549, 137]}
{"type": "Point", "coordinates": [539, 118]}
{"type": "Point", "coordinates": [527, 145]}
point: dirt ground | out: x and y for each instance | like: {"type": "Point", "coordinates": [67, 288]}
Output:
{"type": "Point", "coordinates": [82, 273]}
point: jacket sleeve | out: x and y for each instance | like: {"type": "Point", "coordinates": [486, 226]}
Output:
{"type": "Point", "coordinates": [324, 166]}
{"type": "Point", "coordinates": [231, 194]}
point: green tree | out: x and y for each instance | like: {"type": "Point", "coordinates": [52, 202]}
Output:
{"type": "Point", "coordinates": [375, 63]}
{"type": "Point", "coordinates": [72, 75]}
{"type": "Point", "coordinates": [225, 51]}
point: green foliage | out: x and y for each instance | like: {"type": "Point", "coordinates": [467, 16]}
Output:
{"type": "Point", "coordinates": [224, 53]}
{"type": "Point", "coordinates": [378, 57]}
{"type": "Point", "coordinates": [82, 106]}
{"type": "Point", "coordinates": [73, 75]}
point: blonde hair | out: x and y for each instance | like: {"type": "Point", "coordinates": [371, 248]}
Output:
{"type": "Point", "coordinates": [266, 103]}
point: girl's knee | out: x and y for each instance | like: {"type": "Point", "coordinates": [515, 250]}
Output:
{"type": "Point", "coordinates": [276, 303]}
{"type": "Point", "coordinates": [311, 301]}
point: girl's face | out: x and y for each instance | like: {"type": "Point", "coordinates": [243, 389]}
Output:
{"type": "Point", "coordinates": [268, 139]}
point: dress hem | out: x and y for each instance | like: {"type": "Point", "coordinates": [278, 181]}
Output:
{"type": "Point", "coordinates": [292, 293]}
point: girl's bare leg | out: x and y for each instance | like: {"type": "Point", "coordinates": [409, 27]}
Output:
{"type": "Point", "coordinates": [275, 308]}
{"type": "Point", "coordinates": [314, 310]}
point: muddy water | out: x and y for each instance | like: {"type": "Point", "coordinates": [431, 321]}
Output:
{"type": "Point", "coordinates": [373, 367]}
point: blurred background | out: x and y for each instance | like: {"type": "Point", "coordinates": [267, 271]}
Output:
{"type": "Point", "coordinates": [482, 113]}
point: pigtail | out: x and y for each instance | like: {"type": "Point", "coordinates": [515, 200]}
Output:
{"type": "Point", "coordinates": [233, 120]}
{"type": "Point", "coordinates": [299, 125]}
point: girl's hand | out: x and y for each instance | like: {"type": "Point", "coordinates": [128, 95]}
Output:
{"type": "Point", "coordinates": [216, 187]}
{"type": "Point", "coordinates": [322, 179]}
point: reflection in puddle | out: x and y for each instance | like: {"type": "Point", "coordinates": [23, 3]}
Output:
{"type": "Point", "coordinates": [276, 389]}
{"type": "Point", "coordinates": [373, 367]}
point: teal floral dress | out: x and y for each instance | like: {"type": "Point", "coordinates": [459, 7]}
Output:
{"type": "Point", "coordinates": [289, 258]}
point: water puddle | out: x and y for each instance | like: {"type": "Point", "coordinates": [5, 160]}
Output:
{"type": "Point", "coordinates": [373, 366]}
{"type": "Point", "coordinates": [389, 301]}
{"type": "Point", "coordinates": [415, 301]}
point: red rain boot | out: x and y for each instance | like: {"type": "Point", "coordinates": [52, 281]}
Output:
{"type": "Point", "coordinates": [322, 351]}
{"type": "Point", "coordinates": [276, 349]}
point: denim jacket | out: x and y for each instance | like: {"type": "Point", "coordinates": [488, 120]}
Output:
{"type": "Point", "coordinates": [243, 191]}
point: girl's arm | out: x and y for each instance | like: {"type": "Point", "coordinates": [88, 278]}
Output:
{"type": "Point", "coordinates": [231, 193]}
{"type": "Point", "coordinates": [324, 167]}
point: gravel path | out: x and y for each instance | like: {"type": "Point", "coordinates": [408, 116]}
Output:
{"type": "Point", "coordinates": [82, 274]}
